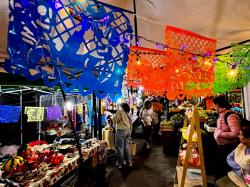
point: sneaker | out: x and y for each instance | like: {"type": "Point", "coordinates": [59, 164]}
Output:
{"type": "Point", "coordinates": [130, 164]}
{"type": "Point", "coordinates": [148, 146]}
{"type": "Point", "coordinates": [118, 165]}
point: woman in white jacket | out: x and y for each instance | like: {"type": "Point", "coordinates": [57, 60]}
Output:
{"type": "Point", "coordinates": [146, 116]}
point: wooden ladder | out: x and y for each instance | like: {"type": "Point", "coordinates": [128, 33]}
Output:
{"type": "Point", "coordinates": [181, 178]}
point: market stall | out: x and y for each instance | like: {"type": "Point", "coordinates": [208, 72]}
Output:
{"type": "Point", "coordinates": [42, 164]}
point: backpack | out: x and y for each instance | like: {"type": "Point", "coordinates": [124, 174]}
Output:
{"type": "Point", "coordinates": [232, 112]}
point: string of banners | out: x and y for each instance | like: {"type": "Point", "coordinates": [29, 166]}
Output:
{"type": "Point", "coordinates": [11, 114]}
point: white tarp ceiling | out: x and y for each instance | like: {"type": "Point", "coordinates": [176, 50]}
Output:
{"type": "Point", "coordinates": [226, 20]}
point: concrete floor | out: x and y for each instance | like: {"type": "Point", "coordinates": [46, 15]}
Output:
{"type": "Point", "coordinates": [150, 169]}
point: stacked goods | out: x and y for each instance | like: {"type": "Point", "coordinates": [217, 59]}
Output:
{"type": "Point", "coordinates": [177, 120]}
{"type": "Point", "coordinates": [203, 115]}
{"type": "Point", "coordinates": [174, 110]}
{"type": "Point", "coordinates": [31, 162]}
{"type": "Point", "coordinates": [212, 119]}
{"type": "Point", "coordinates": [166, 124]}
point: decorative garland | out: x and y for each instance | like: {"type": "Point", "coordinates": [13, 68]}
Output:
{"type": "Point", "coordinates": [232, 71]}
{"type": "Point", "coordinates": [84, 43]}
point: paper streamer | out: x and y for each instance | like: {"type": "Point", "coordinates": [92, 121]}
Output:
{"type": "Point", "coordinates": [35, 114]}
{"type": "Point", "coordinates": [9, 114]}
{"type": "Point", "coordinates": [54, 113]}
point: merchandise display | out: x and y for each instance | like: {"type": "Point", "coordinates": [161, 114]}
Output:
{"type": "Point", "coordinates": [86, 85]}
{"type": "Point", "coordinates": [44, 165]}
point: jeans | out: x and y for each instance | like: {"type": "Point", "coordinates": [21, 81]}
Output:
{"type": "Point", "coordinates": [122, 138]}
{"type": "Point", "coordinates": [147, 131]}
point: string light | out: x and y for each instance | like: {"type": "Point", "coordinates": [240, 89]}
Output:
{"type": "Point", "coordinates": [69, 105]}
{"type": "Point", "coordinates": [232, 73]}
{"type": "Point", "coordinates": [139, 61]}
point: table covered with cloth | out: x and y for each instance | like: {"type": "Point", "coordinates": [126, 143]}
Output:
{"type": "Point", "coordinates": [56, 173]}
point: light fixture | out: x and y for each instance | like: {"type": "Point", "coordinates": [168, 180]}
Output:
{"type": "Point", "coordinates": [232, 73]}
{"type": "Point", "coordinates": [138, 61]}
{"type": "Point", "coordinates": [69, 105]}
{"type": "Point", "coordinates": [177, 71]}
{"type": "Point", "coordinates": [141, 88]}
{"type": "Point", "coordinates": [119, 101]}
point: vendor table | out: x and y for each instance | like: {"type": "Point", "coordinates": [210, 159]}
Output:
{"type": "Point", "coordinates": [53, 175]}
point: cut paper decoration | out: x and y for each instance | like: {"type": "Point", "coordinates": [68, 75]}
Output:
{"type": "Point", "coordinates": [35, 114]}
{"type": "Point", "coordinates": [54, 113]}
{"type": "Point", "coordinates": [190, 59]}
{"type": "Point", "coordinates": [146, 68]}
{"type": "Point", "coordinates": [9, 114]}
{"type": "Point", "coordinates": [183, 70]}
{"type": "Point", "coordinates": [83, 45]}
{"type": "Point", "coordinates": [232, 71]}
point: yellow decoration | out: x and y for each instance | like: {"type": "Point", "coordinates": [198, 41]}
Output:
{"type": "Point", "coordinates": [12, 163]}
{"type": "Point", "coordinates": [34, 113]}
{"type": "Point", "coordinates": [79, 109]}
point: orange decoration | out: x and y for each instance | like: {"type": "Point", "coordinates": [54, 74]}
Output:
{"type": "Point", "coordinates": [184, 69]}
{"type": "Point", "coordinates": [146, 68]}
{"type": "Point", "coordinates": [190, 58]}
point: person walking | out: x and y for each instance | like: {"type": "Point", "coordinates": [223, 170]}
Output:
{"type": "Point", "coordinates": [146, 116]}
{"type": "Point", "coordinates": [122, 119]}
{"type": "Point", "coordinates": [226, 134]}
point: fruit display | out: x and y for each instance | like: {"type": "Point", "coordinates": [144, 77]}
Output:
{"type": "Point", "coordinates": [212, 119]}
{"type": "Point", "coordinates": [14, 163]}
{"type": "Point", "coordinates": [185, 134]}
{"type": "Point", "coordinates": [177, 120]}
{"type": "Point", "coordinates": [203, 115]}
{"type": "Point", "coordinates": [56, 159]}
{"type": "Point", "coordinates": [177, 117]}
{"type": "Point", "coordinates": [166, 124]}
{"type": "Point", "coordinates": [174, 110]}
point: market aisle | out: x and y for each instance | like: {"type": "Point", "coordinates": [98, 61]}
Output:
{"type": "Point", "coordinates": [150, 169]}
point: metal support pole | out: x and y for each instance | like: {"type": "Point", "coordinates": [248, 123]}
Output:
{"type": "Point", "coordinates": [135, 22]}
{"type": "Point", "coordinates": [95, 115]}
{"type": "Point", "coordinates": [21, 120]}
{"type": "Point", "coordinates": [100, 119]}
{"type": "Point", "coordinates": [39, 123]}
{"type": "Point", "coordinates": [77, 140]}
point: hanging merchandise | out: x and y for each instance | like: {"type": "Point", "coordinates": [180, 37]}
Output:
{"type": "Point", "coordinates": [35, 114]}
{"type": "Point", "coordinates": [54, 113]}
{"type": "Point", "coordinates": [190, 60]}
{"type": "Point", "coordinates": [83, 45]}
{"type": "Point", "coordinates": [9, 114]}
{"type": "Point", "coordinates": [232, 70]}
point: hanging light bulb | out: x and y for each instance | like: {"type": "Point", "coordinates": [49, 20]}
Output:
{"type": "Point", "coordinates": [119, 101]}
{"type": "Point", "coordinates": [69, 105]}
{"type": "Point", "coordinates": [232, 73]}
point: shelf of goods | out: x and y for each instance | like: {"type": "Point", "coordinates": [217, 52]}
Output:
{"type": "Point", "coordinates": [48, 167]}
{"type": "Point", "coordinates": [190, 169]}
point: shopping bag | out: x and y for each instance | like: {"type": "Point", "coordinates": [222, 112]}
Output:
{"type": "Point", "coordinates": [132, 148]}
